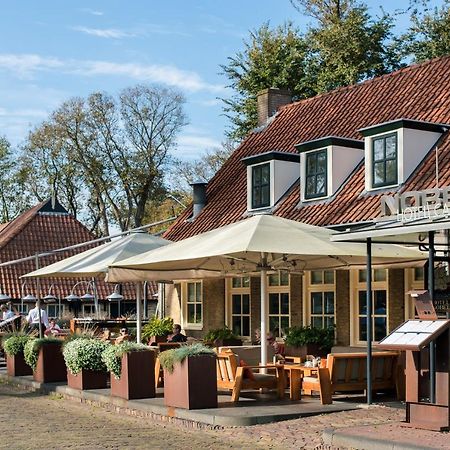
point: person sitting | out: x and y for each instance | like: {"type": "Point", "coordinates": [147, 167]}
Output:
{"type": "Point", "coordinates": [53, 328]}
{"type": "Point", "coordinates": [177, 336]}
{"type": "Point", "coordinates": [106, 336]}
{"type": "Point", "coordinates": [9, 311]}
{"type": "Point", "coordinates": [124, 336]}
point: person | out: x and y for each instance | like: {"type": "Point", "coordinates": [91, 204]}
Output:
{"type": "Point", "coordinates": [8, 311]}
{"type": "Point", "coordinates": [106, 336]}
{"type": "Point", "coordinates": [33, 318]}
{"type": "Point", "coordinates": [124, 336]}
{"type": "Point", "coordinates": [177, 336]}
{"type": "Point", "coordinates": [53, 329]}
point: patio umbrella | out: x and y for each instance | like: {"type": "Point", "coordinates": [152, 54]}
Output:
{"type": "Point", "coordinates": [257, 245]}
{"type": "Point", "coordinates": [95, 261]}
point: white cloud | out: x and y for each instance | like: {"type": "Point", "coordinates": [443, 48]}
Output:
{"type": "Point", "coordinates": [93, 12]}
{"type": "Point", "coordinates": [209, 103]}
{"type": "Point", "coordinates": [108, 33]}
{"type": "Point", "coordinates": [25, 64]}
{"type": "Point", "coordinates": [190, 146]}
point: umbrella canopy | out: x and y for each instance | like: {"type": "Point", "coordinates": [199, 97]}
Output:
{"type": "Point", "coordinates": [257, 244]}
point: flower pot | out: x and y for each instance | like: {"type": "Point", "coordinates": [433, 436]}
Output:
{"type": "Point", "coordinates": [192, 384]}
{"type": "Point", "coordinates": [87, 379]}
{"type": "Point", "coordinates": [137, 379]}
{"type": "Point", "coordinates": [154, 340]}
{"type": "Point", "coordinates": [16, 365]}
{"type": "Point", "coordinates": [50, 365]}
{"type": "Point", "coordinates": [308, 349]}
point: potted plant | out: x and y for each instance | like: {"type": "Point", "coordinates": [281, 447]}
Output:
{"type": "Point", "coordinates": [15, 361]}
{"type": "Point", "coordinates": [85, 367]}
{"type": "Point", "coordinates": [132, 368]}
{"type": "Point", "coordinates": [221, 337]}
{"type": "Point", "coordinates": [302, 341]}
{"type": "Point", "coordinates": [157, 330]}
{"type": "Point", "coordinates": [45, 357]}
{"type": "Point", "coordinates": [190, 378]}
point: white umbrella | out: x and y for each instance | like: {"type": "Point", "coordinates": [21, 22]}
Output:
{"type": "Point", "coordinates": [95, 261]}
{"type": "Point", "coordinates": [258, 244]}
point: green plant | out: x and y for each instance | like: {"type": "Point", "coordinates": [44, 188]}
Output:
{"type": "Point", "coordinates": [298, 336]}
{"type": "Point", "coordinates": [15, 343]}
{"type": "Point", "coordinates": [84, 354]}
{"type": "Point", "coordinates": [219, 333]}
{"type": "Point", "coordinates": [157, 327]}
{"type": "Point", "coordinates": [32, 347]}
{"type": "Point", "coordinates": [112, 355]}
{"type": "Point", "coordinates": [169, 358]}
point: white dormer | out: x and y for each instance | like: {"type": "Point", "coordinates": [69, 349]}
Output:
{"type": "Point", "coordinates": [269, 176]}
{"type": "Point", "coordinates": [394, 149]}
{"type": "Point", "coordinates": [325, 164]}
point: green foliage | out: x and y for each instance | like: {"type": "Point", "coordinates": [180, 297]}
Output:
{"type": "Point", "coordinates": [15, 343]}
{"type": "Point", "coordinates": [169, 358]}
{"type": "Point", "coordinates": [112, 355]}
{"type": "Point", "coordinates": [84, 354]}
{"type": "Point", "coordinates": [298, 336]}
{"type": "Point", "coordinates": [32, 347]}
{"type": "Point", "coordinates": [219, 333]}
{"type": "Point", "coordinates": [157, 327]}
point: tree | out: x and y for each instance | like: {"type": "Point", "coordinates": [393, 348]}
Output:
{"type": "Point", "coordinates": [325, 11]}
{"type": "Point", "coordinates": [116, 150]}
{"type": "Point", "coordinates": [429, 33]}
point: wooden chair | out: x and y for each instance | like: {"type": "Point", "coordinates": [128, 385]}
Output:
{"type": "Point", "coordinates": [230, 376]}
{"type": "Point", "coordinates": [159, 372]}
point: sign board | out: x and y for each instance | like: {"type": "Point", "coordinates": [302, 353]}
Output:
{"type": "Point", "coordinates": [424, 305]}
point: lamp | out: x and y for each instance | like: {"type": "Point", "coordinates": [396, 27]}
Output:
{"type": "Point", "coordinates": [52, 298]}
{"type": "Point", "coordinates": [116, 297]}
{"type": "Point", "coordinates": [4, 297]}
{"type": "Point", "coordinates": [87, 296]}
{"type": "Point", "coordinates": [25, 298]}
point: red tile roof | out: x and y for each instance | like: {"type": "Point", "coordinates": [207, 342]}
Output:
{"type": "Point", "coordinates": [420, 92]}
{"type": "Point", "coordinates": [40, 230]}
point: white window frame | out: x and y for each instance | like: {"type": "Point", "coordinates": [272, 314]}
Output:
{"type": "Point", "coordinates": [279, 289]}
{"type": "Point", "coordinates": [55, 305]}
{"type": "Point", "coordinates": [242, 290]}
{"type": "Point", "coordinates": [411, 284]}
{"type": "Point", "coordinates": [90, 307]}
{"type": "Point", "coordinates": [184, 298]}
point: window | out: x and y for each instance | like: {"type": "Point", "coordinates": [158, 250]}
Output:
{"type": "Point", "coordinates": [379, 314]}
{"type": "Point", "coordinates": [384, 160]}
{"type": "Point", "coordinates": [261, 186]}
{"type": "Point", "coordinates": [322, 277]}
{"type": "Point", "coordinates": [279, 303]}
{"type": "Point", "coordinates": [23, 309]}
{"type": "Point", "coordinates": [240, 282]}
{"type": "Point", "coordinates": [194, 303]}
{"type": "Point", "coordinates": [239, 306]}
{"type": "Point", "coordinates": [320, 293]}
{"type": "Point", "coordinates": [53, 311]}
{"type": "Point", "coordinates": [316, 174]}
{"type": "Point", "coordinates": [88, 309]}
{"type": "Point", "coordinates": [377, 275]}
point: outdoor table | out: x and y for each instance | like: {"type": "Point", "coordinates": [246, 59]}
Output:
{"type": "Point", "coordinates": [296, 372]}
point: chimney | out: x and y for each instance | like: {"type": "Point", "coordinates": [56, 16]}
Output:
{"type": "Point", "coordinates": [199, 197]}
{"type": "Point", "coordinates": [269, 100]}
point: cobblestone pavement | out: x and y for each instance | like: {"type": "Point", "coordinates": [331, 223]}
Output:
{"type": "Point", "coordinates": [41, 421]}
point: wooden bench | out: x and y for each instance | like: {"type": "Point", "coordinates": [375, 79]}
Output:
{"type": "Point", "coordinates": [348, 373]}
{"type": "Point", "coordinates": [231, 377]}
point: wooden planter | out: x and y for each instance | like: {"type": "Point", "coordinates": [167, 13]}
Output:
{"type": "Point", "coordinates": [137, 379]}
{"type": "Point", "coordinates": [87, 379]}
{"type": "Point", "coordinates": [308, 349]}
{"type": "Point", "coordinates": [17, 366]}
{"type": "Point", "coordinates": [193, 383]}
{"type": "Point", "coordinates": [50, 366]}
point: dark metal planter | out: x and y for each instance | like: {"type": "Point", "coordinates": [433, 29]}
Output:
{"type": "Point", "coordinates": [193, 383]}
{"type": "Point", "coordinates": [17, 366]}
{"type": "Point", "coordinates": [87, 379]}
{"type": "Point", "coordinates": [137, 379]}
{"type": "Point", "coordinates": [50, 366]}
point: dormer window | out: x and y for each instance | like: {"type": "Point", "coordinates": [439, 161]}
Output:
{"type": "Point", "coordinates": [394, 149]}
{"type": "Point", "coordinates": [384, 160]}
{"type": "Point", "coordinates": [269, 176]}
{"type": "Point", "coordinates": [316, 174]}
{"type": "Point", "coordinates": [261, 186]}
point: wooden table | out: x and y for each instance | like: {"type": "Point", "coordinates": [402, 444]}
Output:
{"type": "Point", "coordinates": [296, 372]}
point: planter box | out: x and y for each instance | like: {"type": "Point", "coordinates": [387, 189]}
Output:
{"type": "Point", "coordinates": [87, 379]}
{"type": "Point", "coordinates": [137, 379]}
{"type": "Point", "coordinates": [50, 366]}
{"type": "Point", "coordinates": [193, 383]}
{"type": "Point", "coordinates": [17, 366]}
{"type": "Point", "coordinates": [308, 349]}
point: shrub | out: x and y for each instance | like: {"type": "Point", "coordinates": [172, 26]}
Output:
{"type": "Point", "coordinates": [298, 336]}
{"type": "Point", "coordinates": [15, 343]}
{"type": "Point", "coordinates": [169, 358]}
{"type": "Point", "coordinates": [84, 354]}
{"type": "Point", "coordinates": [112, 355]}
{"type": "Point", "coordinates": [157, 327]}
{"type": "Point", "coordinates": [219, 333]}
{"type": "Point", "coordinates": [32, 347]}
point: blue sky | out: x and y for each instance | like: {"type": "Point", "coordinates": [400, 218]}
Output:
{"type": "Point", "coordinates": [51, 50]}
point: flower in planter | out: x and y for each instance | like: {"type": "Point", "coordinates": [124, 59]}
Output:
{"type": "Point", "coordinates": [157, 327]}
{"type": "Point", "coordinates": [32, 347]}
{"type": "Point", "coordinates": [112, 355]}
{"type": "Point", "coordinates": [219, 334]}
{"type": "Point", "coordinates": [169, 358]}
{"type": "Point", "coordinates": [299, 336]}
{"type": "Point", "coordinates": [85, 354]}
{"type": "Point", "coordinates": [15, 343]}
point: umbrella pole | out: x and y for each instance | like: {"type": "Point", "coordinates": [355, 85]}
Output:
{"type": "Point", "coordinates": [263, 308]}
{"type": "Point", "coordinates": [369, 320]}
{"type": "Point", "coordinates": [138, 313]}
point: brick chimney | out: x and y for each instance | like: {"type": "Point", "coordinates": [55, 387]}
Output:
{"type": "Point", "coordinates": [269, 100]}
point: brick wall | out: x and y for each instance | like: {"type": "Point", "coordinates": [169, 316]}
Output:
{"type": "Point", "coordinates": [296, 295]}
{"type": "Point", "coordinates": [396, 292]}
{"type": "Point", "coordinates": [342, 312]}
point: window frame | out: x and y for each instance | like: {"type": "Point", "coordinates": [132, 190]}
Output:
{"type": "Point", "coordinates": [241, 291]}
{"type": "Point", "coordinates": [260, 186]}
{"type": "Point", "coordinates": [384, 137]}
{"type": "Point", "coordinates": [185, 291]}
{"type": "Point", "coordinates": [279, 289]}
{"type": "Point", "coordinates": [315, 154]}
